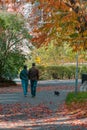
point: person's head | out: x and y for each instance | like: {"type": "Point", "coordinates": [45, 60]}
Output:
{"type": "Point", "coordinates": [25, 66]}
{"type": "Point", "coordinates": [33, 64]}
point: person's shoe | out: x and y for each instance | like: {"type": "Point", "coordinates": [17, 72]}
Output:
{"type": "Point", "coordinates": [33, 96]}
{"type": "Point", "coordinates": [25, 95]}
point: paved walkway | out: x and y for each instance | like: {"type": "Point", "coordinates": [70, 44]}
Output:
{"type": "Point", "coordinates": [53, 82]}
{"type": "Point", "coordinates": [44, 112]}
{"type": "Point", "coordinates": [44, 97]}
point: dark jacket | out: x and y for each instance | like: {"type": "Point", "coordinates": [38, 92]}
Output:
{"type": "Point", "coordinates": [33, 73]}
{"type": "Point", "coordinates": [24, 74]}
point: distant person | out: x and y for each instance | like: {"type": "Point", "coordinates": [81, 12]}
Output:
{"type": "Point", "coordinates": [24, 80]}
{"type": "Point", "coordinates": [33, 75]}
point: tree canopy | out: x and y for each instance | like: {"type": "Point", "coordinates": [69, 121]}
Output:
{"type": "Point", "coordinates": [63, 21]}
{"type": "Point", "coordinates": [58, 20]}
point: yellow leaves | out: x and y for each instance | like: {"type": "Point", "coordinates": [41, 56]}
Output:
{"type": "Point", "coordinates": [85, 34]}
{"type": "Point", "coordinates": [85, 45]}
{"type": "Point", "coordinates": [77, 47]}
{"type": "Point", "coordinates": [68, 17]}
{"type": "Point", "coordinates": [79, 43]}
{"type": "Point", "coordinates": [38, 60]}
{"type": "Point", "coordinates": [59, 29]}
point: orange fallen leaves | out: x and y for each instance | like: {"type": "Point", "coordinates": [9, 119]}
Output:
{"type": "Point", "coordinates": [79, 109]}
{"type": "Point", "coordinates": [77, 113]}
{"type": "Point", "coordinates": [41, 113]}
{"type": "Point", "coordinates": [75, 110]}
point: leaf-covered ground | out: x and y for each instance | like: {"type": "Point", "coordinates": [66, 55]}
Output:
{"type": "Point", "coordinates": [26, 116]}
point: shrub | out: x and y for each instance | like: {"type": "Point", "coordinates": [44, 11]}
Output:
{"type": "Point", "coordinates": [60, 72]}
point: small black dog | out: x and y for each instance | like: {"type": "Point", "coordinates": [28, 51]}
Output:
{"type": "Point", "coordinates": [56, 93]}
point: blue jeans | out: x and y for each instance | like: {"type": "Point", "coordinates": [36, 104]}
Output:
{"type": "Point", "coordinates": [33, 84]}
{"type": "Point", "coordinates": [25, 86]}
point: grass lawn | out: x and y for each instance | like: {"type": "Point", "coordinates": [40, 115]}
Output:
{"type": "Point", "coordinates": [79, 97]}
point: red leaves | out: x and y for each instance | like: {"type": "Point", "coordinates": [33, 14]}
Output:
{"type": "Point", "coordinates": [78, 110]}
{"type": "Point", "coordinates": [12, 111]}
{"type": "Point", "coordinates": [76, 115]}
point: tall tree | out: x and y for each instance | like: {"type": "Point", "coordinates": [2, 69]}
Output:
{"type": "Point", "coordinates": [12, 33]}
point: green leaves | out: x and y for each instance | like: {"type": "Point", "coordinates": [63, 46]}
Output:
{"type": "Point", "coordinates": [74, 35]}
{"type": "Point", "coordinates": [13, 32]}
{"type": "Point", "coordinates": [9, 19]}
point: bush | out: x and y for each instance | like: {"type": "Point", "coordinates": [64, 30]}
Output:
{"type": "Point", "coordinates": [60, 72]}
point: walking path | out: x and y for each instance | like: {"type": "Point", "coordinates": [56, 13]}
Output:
{"type": "Point", "coordinates": [44, 112]}
{"type": "Point", "coordinates": [53, 82]}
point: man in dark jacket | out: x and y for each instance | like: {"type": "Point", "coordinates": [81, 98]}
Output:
{"type": "Point", "coordinates": [24, 80]}
{"type": "Point", "coordinates": [33, 75]}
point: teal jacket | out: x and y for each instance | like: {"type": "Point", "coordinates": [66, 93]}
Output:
{"type": "Point", "coordinates": [24, 74]}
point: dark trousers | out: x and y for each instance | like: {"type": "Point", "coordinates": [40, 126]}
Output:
{"type": "Point", "coordinates": [33, 84]}
{"type": "Point", "coordinates": [25, 86]}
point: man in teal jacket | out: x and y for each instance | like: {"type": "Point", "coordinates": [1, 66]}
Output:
{"type": "Point", "coordinates": [24, 80]}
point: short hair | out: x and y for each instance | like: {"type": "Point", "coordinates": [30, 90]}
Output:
{"type": "Point", "coordinates": [25, 66]}
{"type": "Point", "coordinates": [33, 64]}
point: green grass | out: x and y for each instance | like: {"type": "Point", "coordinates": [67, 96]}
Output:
{"type": "Point", "coordinates": [79, 97]}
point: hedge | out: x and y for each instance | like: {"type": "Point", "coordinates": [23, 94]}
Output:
{"type": "Point", "coordinates": [61, 72]}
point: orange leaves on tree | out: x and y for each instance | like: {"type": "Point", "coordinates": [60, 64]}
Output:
{"type": "Point", "coordinates": [64, 24]}
{"type": "Point", "coordinates": [85, 45]}
{"type": "Point", "coordinates": [53, 5]}
{"type": "Point", "coordinates": [69, 17]}
{"type": "Point", "coordinates": [32, 1]}
{"type": "Point", "coordinates": [51, 26]}
{"type": "Point", "coordinates": [63, 6]}
{"type": "Point", "coordinates": [79, 44]}
{"type": "Point", "coordinates": [77, 47]}
{"type": "Point", "coordinates": [38, 41]}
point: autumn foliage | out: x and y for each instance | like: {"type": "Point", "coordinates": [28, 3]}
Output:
{"type": "Point", "coordinates": [55, 20]}
{"type": "Point", "coordinates": [63, 21]}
